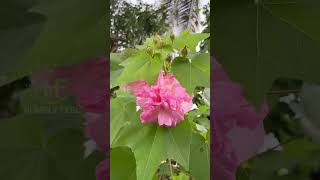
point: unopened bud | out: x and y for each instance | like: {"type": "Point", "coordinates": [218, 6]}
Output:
{"type": "Point", "coordinates": [157, 39]}
{"type": "Point", "coordinates": [149, 51]}
{"type": "Point", "coordinates": [172, 37]}
{"type": "Point", "coordinates": [184, 51]}
{"type": "Point", "coordinates": [162, 44]}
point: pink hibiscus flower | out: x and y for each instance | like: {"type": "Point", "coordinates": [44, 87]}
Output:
{"type": "Point", "coordinates": [166, 102]}
{"type": "Point", "coordinates": [238, 131]}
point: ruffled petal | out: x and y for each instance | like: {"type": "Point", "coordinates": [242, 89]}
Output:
{"type": "Point", "coordinates": [149, 115]}
{"type": "Point", "coordinates": [169, 118]}
{"type": "Point", "coordinates": [186, 106]}
{"type": "Point", "coordinates": [167, 94]}
{"type": "Point", "coordinates": [139, 88]}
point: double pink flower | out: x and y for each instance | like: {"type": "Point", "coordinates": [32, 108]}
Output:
{"type": "Point", "coordinates": [166, 102]}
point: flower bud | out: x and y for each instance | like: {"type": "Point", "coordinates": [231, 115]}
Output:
{"type": "Point", "coordinates": [172, 37]}
{"type": "Point", "coordinates": [149, 51]}
{"type": "Point", "coordinates": [157, 40]}
{"type": "Point", "coordinates": [184, 51]}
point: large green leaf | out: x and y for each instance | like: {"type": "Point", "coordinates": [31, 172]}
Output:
{"type": "Point", "coordinates": [115, 68]}
{"type": "Point", "coordinates": [140, 66]}
{"type": "Point", "coordinates": [152, 144]}
{"type": "Point", "coordinates": [115, 60]}
{"type": "Point", "coordinates": [189, 40]}
{"type": "Point", "coordinates": [66, 38]}
{"type": "Point", "coordinates": [181, 176]}
{"type": "Point", "coordinates": [122, 113]}
{"type": "Point", "coordinates": [260, 41]}
{"type": "Point", "coordinates": [194, 73]}
{"type": "Point", "coordinates": [199, 158]}
{"type": "Point", "coordinates": [121, 159]}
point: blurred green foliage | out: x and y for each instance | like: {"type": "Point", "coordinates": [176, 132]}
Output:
{"type": "Point", "coordinates": [132, 24]}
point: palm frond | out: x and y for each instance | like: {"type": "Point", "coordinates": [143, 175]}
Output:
{"type": "Point", "coordinates": [183, 14]}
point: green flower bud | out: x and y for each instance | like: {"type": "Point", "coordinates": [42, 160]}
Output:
{"type": "Point", "coordinates": [157, 40]}
{"type": "Point", "coordinates": [162, 44]}
{"type": "Point", "coordinates": [150, 51]}
{"type": "Point", "coordinates": [184, 51]}
{"type": "Point", "coordinates": [172, 37]}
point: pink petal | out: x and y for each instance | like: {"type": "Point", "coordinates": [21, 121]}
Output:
{"type": "Point", "coordinates": [149, 115]}
{"type": "Point", "coordinates": [169, 118]}
{"type": "Point", "coordinates": [167, 94]}
{"type": "Point", "coordinates": [138, 87]}
{"type": "Point", "coordinates": [186, 106]}
{"type": "Point", "coordinates": [161, 79]}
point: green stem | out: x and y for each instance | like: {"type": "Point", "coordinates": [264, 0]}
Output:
{"type": "Point", "coordinates": [170, 167]}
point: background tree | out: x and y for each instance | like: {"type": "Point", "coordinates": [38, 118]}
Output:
{"type": "Point", "coordinates": [132, 24]}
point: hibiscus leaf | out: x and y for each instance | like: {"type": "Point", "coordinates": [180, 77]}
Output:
{"type": "Point", "coordinates": [152, 144]}
{"type": "Point", "coordinates": [199, 158]}
{"type": "Point", "coordinates": [115, 60]}
{"type": "Point", "coordinates": [181, 176]}
{"type": "Point", "coordinates": [115, 68]}
{"type": "Point", "coordinates": [114, 76]}
{"type": "Point", "coordinates": [194, 73]}
{"type": "Point", "coordinates": [66, 38]}
{"type": "Point", "coordinates": [140, 66]}
{"type": "Point", "coordinates": [122, 113]}
{"type": "Point", "coordinates": [189, 40]}
{"type": "Point", "coordinates": [260, 41]}
{"type": "Point", "coordinates": [122, 157]}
